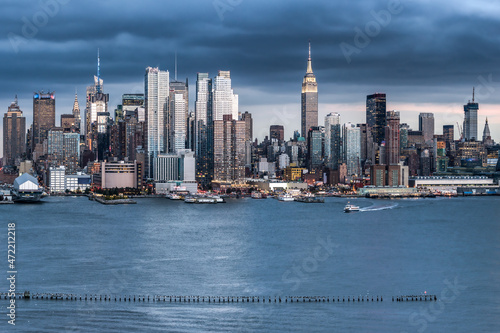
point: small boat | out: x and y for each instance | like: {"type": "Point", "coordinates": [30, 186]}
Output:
{"type": "Point", "coordinates": [351, 208]}
{"type": "Point", "coordinates": [190, 200]}
{"type": "Point", "coordinates": [174, 196]}
{"type": "Point", "coordinates": [257, 195]}
{"type": "Point", "coordinates": [285, 197]}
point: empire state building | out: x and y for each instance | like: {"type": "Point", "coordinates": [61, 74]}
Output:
{"type": "Point", "coordinates": [309, 112]}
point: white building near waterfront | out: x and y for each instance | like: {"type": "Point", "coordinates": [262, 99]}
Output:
{"type": "Point", "coordinates": [57, 180]}
{"type": "Point", "coordinates": [175, 171]}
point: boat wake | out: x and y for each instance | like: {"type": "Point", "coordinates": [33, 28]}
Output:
{"type": "Point", "coordinates": [376, 208]}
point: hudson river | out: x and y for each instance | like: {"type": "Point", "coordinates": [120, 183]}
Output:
{"type": "Point", "coordinates": [246, 247]}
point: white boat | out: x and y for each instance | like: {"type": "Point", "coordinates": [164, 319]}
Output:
{"type": "Point", "coordinates": [174, 196]}
{"type": "Point", "coordinates": [285, 197]}
{"type": "Point", "coordinates": [256, 195]}
{"type": "Point", "coordinates": [211, 199]}
{"type": "Point", "coordinates": [351, 208]}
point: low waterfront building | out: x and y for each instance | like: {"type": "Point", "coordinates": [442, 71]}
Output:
{"type": "Point", "coordinates": [451, 183]}
{"type": "Point", "coordinates": [388, 191]}
{"type": "Point", "coordinates": [78, 182]}
{"type": "Point", "coordinates": [59, 182]}
{"type": "Point", "coordinates": [276, 185]}
{"type": "Point", "coordinates": [119, 174]}
{"type": "Point", "coordinates": [175, 172]}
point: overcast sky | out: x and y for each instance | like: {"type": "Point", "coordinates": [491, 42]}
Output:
{"type": "Point", "coordinates": [426, 55]}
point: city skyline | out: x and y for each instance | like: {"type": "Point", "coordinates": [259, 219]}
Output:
{"type": "Point", "coordinates": [416, 76]}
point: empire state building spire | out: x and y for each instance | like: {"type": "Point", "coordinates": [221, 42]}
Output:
{"type": "Point", "coordinates": [309, 110]}
{"type": "Point", "coordinates": [309, 61]}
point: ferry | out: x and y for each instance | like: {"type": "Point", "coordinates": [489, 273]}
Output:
{"type": "Point", "coordinates": [173, 196]}
{"type": "Point", "coordinates": [309, 198]}
{"type": "Point", "coordinates": [213, 199]}
{"type": "Point", "coordinates": [285, 197]}
{"type": "Point", "coordinates": [351, 208]}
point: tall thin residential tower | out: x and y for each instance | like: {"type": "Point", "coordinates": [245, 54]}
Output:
{"type": "Point", "coordinates": [204, 129]}
{"type": "Point", "coordinates": [156, 88]}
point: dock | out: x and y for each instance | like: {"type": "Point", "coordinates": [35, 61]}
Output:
{"type": "Point", "coordinates": [217, 299]}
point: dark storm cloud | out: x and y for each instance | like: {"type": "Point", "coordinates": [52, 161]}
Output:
{"type": "Point", "coordinates": [433, 47]}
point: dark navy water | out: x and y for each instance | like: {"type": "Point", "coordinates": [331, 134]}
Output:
{"type": "Point", "coordinates": [447, 247]}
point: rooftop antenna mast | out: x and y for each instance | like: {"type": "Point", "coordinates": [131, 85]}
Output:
{"type": "Point", "coordinates": [98, 71]}
{"type": "Point", "coordinates": [473, 93]}
{"type": "Point", "coordinates": [175, 65]}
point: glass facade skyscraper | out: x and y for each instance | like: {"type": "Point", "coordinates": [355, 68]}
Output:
{"type": "Point", "coordinates": [375, 115]}
{"type": "Point", "coordinates": [470, 120]}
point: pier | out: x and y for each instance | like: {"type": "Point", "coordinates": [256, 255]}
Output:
{"type": "Point", "coordinates": [217, 299]}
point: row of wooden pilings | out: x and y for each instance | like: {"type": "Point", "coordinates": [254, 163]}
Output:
{"type": "Point", "coordinates": [217, 299]}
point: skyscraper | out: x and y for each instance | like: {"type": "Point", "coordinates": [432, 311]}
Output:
{"type": "Point", "coordinates": [315, 147]}
{"type": "Point", "coordinates": [156, 87]}
{"type": "Point", "coordinates": [448, 134]}
{"type": "Point", "coordinates": [277, 132]}
{"type": "Point", "coordinates": [229, 149]}
{"type": "Point", "coordinates": [367, 148]}
{"type": "Point", "coordinates": [130, 104]}
{"type": "Point", "coordinates": [76, 114]}
{"type": "Point", "coordinates": [392, 139]}
{"type": "Point", "coordinates": [247, 118]}
{"type": "Point", "coordinates": [204, 129]}
{"type": "Point", "coordinates": [309, 110]}
{"type": "Point", "coordinates": [352, 143]}
{"type": "Point", "coordinates": [44, 116]}
{"type": "Point", "coordinates": [375, 115]}
{"type": "Point", "coordinates": [332, 140]}
{"type": "Point", "coordinates": [470, 120]}
{"type": "Point", "coordinates": [14, 134]}
{"type": "Point", "coordinates": [97, 102]}
{"type": "Point", "coordinates": [403, 136]}
{"type": "Point", "coordinates": [224, 100]}
{"type": "Point", "coordinates": [177, 116]}
{"type": "Point", "coordinates": [426, 126]}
